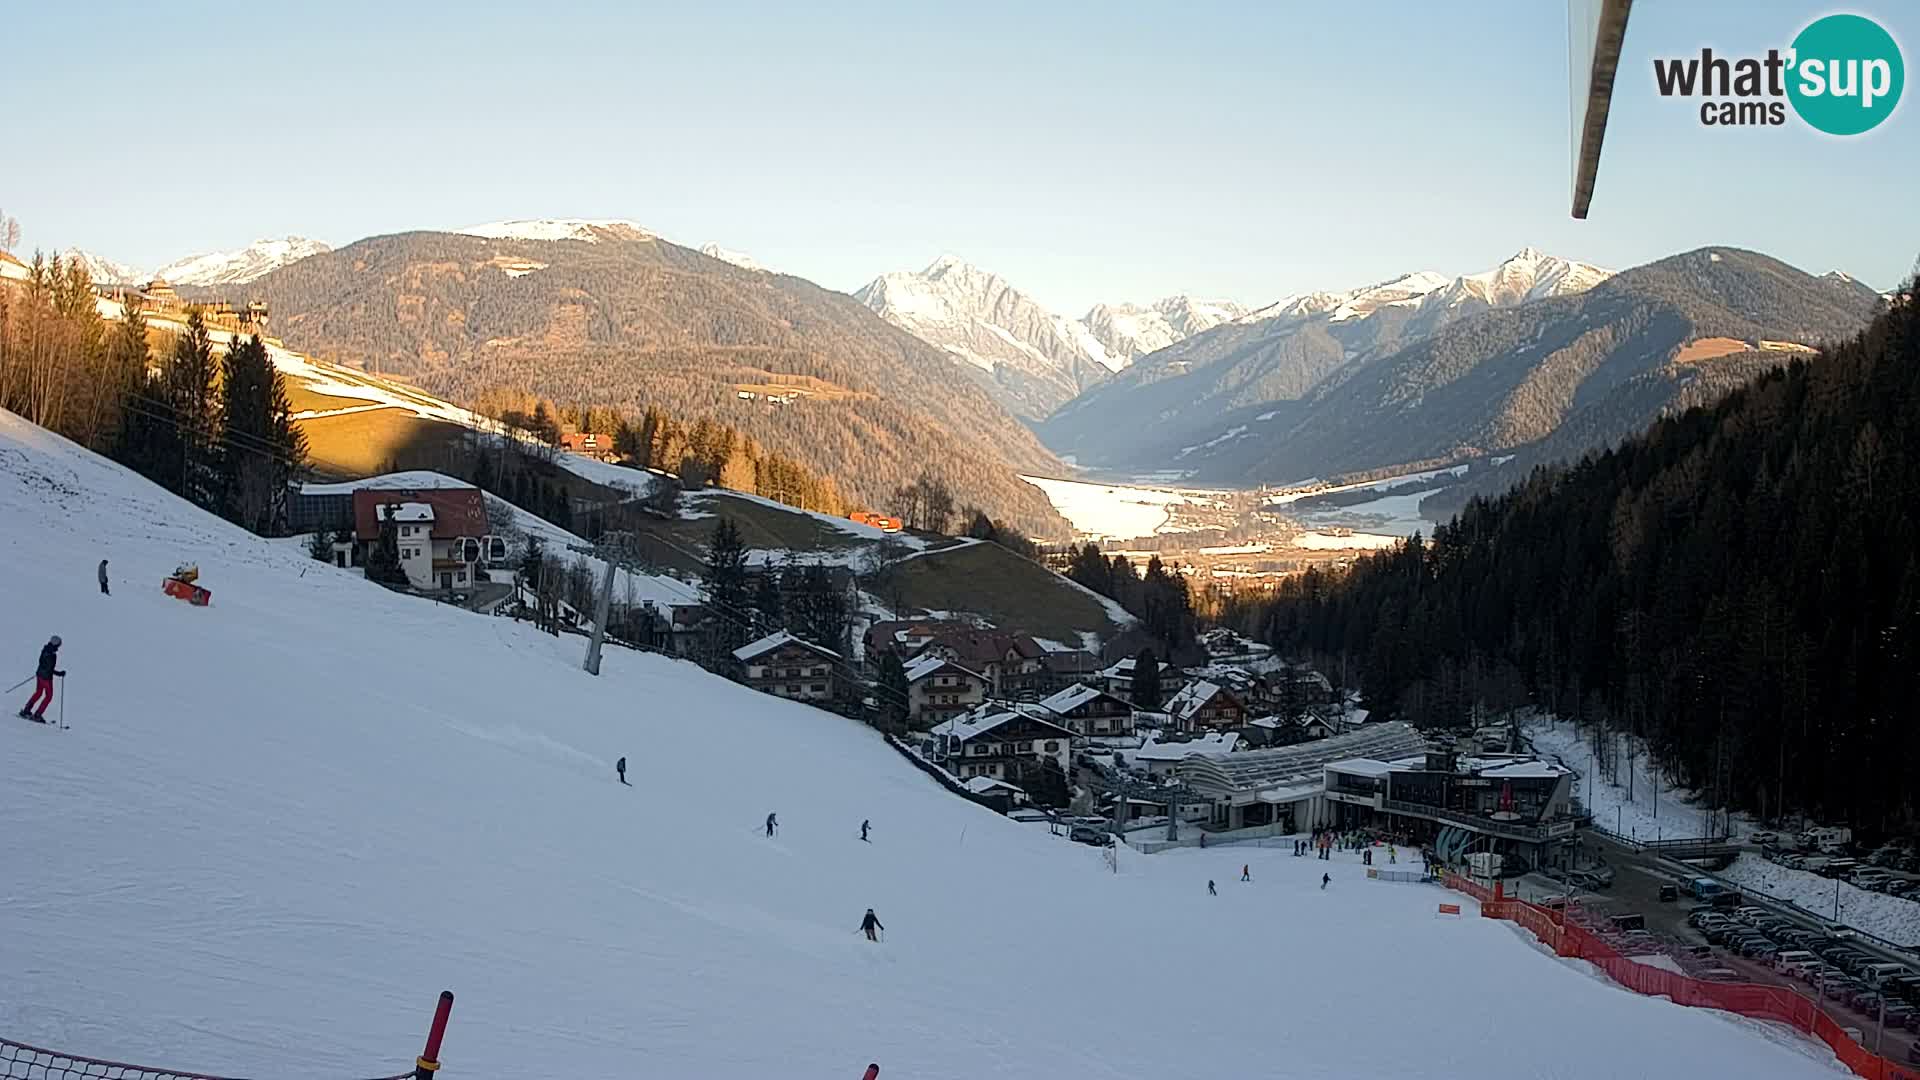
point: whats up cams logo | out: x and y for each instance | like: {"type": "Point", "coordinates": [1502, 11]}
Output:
{"type": "Point", "coordinates": [1842, 75]}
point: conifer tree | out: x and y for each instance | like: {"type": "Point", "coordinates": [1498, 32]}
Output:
{"type": "Point", "coordinates": [726, 585]}
{"type": "Point", "coordinates": [1146, 681]}
{"type": "Point", "coordinates": [769, 613]}
{"type": "Point", "coordinates": [190, 397]}
{"type": "Point", "coordinates": [891, 690]}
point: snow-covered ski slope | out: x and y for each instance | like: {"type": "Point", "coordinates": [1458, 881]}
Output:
{"type": "Point", "coordinates": [279, 825]}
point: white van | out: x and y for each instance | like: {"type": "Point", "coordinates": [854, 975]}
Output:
{"type": "Point", "coordinates": [1794, 962]}
{"type": "Point", "coordinates": [1872, 974]}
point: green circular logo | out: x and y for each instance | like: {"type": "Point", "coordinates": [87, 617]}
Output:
{"type": "Point", "coordinates": [1846, 76]}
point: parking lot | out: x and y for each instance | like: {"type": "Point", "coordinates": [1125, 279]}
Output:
{"type": "Point", "coordinates": [1635, 890]}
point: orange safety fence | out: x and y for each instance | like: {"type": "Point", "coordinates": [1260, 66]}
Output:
{"type": "Point", "coordinates": [1776, 1003]}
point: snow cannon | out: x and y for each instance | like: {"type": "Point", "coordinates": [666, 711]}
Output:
{"type": "Point", "coordinates": [181, 586]}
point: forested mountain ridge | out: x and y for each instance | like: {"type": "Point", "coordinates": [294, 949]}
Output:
{"type": "Point", "coordinates": [1176, 398]}
{"type": "Point", "coordinates": [633, 322]}
{"type": "Point", "coordinates": [1740, 584]}
{"type": "Point", "coordinates": [1505, 378]}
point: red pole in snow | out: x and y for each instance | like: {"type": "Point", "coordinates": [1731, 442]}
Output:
{"type": "Point", "coordinates": [429, 1060]}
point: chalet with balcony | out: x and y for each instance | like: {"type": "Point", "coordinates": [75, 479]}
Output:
{"type": "Point", "coordinates": [1089, 711]}
{"type": "Point", "coordinates": [786, 666]}
{"type": "Point", "coordinates": [939, 690]}
{"type": "Point", "coordinates": [1206, 706]}
{"type": "Point", "coordinates": [439, 532]}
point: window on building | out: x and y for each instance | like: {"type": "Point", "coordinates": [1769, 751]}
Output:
{"type": "Point", "coordinates": [819, 688]}
{"type": "Point", "coordinates": [1053, 745]}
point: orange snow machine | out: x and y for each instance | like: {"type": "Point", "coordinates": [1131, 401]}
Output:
{"type": "Point", "coordinates": [181, 586]}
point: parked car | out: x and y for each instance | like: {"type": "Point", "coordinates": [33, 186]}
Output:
{"type": "Point", "coordinates": [1838, 868]}
{"type": "Point", "coordinates": [1764, 838]}
{"type": "Point", "coordinates": [1793, 961]}
{"type": "Point", "coordinates": [1838, 931]}
{"type": "Point", "coordinates": [1087, 834]}
{"type": "Point", "coordinates": [1720, 974]}
{"type": "Point", "coordinates": [1669, 893]}
{"type": "Point", "coordinates": [1902, 886]}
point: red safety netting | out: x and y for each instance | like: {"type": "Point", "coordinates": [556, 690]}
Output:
{"type": "Point", "coordinates": [18, 1061]}
{"type": "Point", "coordinates": [1775, 1003]}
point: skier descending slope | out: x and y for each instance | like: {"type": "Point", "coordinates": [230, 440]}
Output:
{"type": "Point", "coordinates": [864, 826]}
{"type": "Point", "coordinates": [773, 822]}
{"type": "Point", "coordinates": [620, 767]}
{"type": "Point", "coordinates": [43, 677]}
{"type": "Point", "coordinates": [870, 924]}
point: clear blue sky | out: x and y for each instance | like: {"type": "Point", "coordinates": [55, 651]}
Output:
{"type": "Point", "coordinates": [1086, 151]}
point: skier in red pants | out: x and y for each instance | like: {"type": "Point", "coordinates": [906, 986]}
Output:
{"type": "Point", "coordinates": [43, 677]}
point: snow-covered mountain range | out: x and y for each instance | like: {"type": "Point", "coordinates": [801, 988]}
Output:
{"type": "Point", "coordinates": [727, 255]}
{"type": "Point", "coordinates": [1130, 331]}
{"type": "Point", "coordinates": [1032, 359]}
{"type": "Point", "coordinates": [211, 268]}
{"type": "Point", "coordinates": [590, 230]}
{"type": "Point", "coordinates": [237, 267]}
{"type": "Point", "coordinates": [1282, 351]}
{"type": "Point", "coordinates": [106, 271]}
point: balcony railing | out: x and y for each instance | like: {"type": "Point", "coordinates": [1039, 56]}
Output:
{"type": "Point", "coordinates": [1512, 830]}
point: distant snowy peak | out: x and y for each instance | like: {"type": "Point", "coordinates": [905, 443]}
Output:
{"type": "Point", "coordinates": [1130, 331]}
{"type": "Point", "coordinates": [590, 230]}
{"type": "Point", "coordinates": [1030, 358]}
{"type": "Point", "coordinates": [105, 271]}
{"type": "Point", "coordinates": [727, 255]}
{"type": "Point", "coordinates": [1528, 275]}
{"type": "Point", "coordinates": [238, 267]}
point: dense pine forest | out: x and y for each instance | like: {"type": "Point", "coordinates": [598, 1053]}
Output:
{"type": "Point", "coordinates": [1739, 585]}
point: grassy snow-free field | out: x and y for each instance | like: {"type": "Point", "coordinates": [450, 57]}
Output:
{"type": "Point", "coordinates": [279, 825]}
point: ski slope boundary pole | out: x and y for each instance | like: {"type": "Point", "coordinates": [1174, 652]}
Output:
{"type": "Point", "coordinates": [429, 1060]}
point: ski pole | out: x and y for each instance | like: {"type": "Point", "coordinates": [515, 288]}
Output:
{"type": "Point", "coordinates": [19, 684]}
{"type": "Point", "coordinates": [63, 702]}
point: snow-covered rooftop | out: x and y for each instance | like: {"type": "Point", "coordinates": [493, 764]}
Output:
{"type": "Point", "coordinates": [404, 512]}
{"type": "Point", "coordinates": [1192, 698]}
{"type": "Point", "coordinates": [1215, 745]}
{"type": "Point", "coordinates": [981, 785]}
{"type": "Point", "coordinates": [1072, 697]}
{"type": "Point", "coordinates": [1306, 763]}
{"type": "Point", "coordinates": [747, 652]}
{"type": "Point", "coordinates": [924, 666]}
{"type": "Point", "coordinates": [988, 718]}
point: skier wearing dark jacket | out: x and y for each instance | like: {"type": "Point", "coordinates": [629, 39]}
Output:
{"type": "Point", "coordinates": [772, 823]}
{"type": "Point", "coordinates": [870, 924]}
{"type": "Point", "coordinates": [43, 677]}
{"type": "Point", "coordinates": [103, 578]}
{"type": "Point", "coordinates": [620, 767]}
